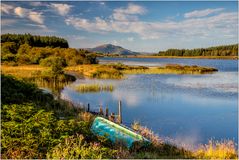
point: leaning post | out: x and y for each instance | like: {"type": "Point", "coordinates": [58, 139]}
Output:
{"type": "Point", "coordinates": [120, 112]}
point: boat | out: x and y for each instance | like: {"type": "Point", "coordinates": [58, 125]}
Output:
{"type": "Point", "coordinates": [118, 133]}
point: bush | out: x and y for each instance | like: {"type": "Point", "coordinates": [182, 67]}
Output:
{"type": "Point", "coordinates": [29, 131]}
{"type": "Point", "coordinates": [75, 147]}
{"type": "Point", "coordinates": [56, 63]}
{"type": "Point", "coordinates": [14, 91]}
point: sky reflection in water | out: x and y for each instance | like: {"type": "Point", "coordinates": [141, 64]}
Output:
{"type": "Point", "coordinates": [188, 108]}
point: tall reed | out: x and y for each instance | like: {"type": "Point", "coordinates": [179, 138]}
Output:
{"type": "Point", "coordinates": [83, 88]}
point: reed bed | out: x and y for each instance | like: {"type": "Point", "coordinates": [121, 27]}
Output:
{"type": "Point", "coordinates": [26, 71]}
{"type": "Point", "coordinates": [84, 88]}
{"type": "Point", "coordinates": [97, 71]}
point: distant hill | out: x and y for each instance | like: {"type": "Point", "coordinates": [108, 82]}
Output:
{"type": "Point", "coordinates": [111, 49]}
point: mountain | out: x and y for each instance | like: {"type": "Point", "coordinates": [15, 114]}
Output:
{"type": "Point", "coordinates": [112, 49]}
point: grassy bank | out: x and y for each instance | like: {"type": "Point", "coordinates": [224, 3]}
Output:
{"type": "Point", "coordinates": [35, 125]}
{"type": "Point", "coordinates": [35, 72]}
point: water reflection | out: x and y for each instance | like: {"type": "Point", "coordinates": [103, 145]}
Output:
{"type": "Point", "coordinates": [52, 86]}
{"type": "Point", "coordinates": [200, 107]}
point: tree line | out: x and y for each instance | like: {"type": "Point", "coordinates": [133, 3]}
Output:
{"type": "Point", "coordinates": [224, 50]}
{"type": "Point", "coordinates": [22, 52]}
{"type": "Point", "coordinates": [35, 40]}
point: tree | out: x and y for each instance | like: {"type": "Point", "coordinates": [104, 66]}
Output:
{"type": "Point", "coordinates": [23, 54]}
{"type": "Point", "coordinates": [57, 64]}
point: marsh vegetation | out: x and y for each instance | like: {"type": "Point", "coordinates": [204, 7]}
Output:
{"type": "Point", "coordinates": [83, 88]}
{"type": "Point", "coordinates": [118, 70]}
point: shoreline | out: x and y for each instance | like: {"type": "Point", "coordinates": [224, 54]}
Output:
{"type": "Point", "coordinates": [176, 57]}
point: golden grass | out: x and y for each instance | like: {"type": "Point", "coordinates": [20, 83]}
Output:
{"type": "Point", "coordinates": [106, 71]}
{"type": "Point", "coordinates": [172, 69]}
{"type": "Point", "coordinates": [25, 71]}
{"type": "Point", "coordinates": [86, 116]}
{"type": "Point", "coordinates": [217, 150]}
{"type": "Point", "coordinates": [96, 71]}
{"type": "Point", "coordinates": [213, 150]}
{"type": "Point", "coordinates": [83, 88]}
{"type": "Point", "coordinates": [155, 70]}
{"type": "Point", "coordinates": [147, 133]}
{"type": "Point", "coordinates": [117, 71]}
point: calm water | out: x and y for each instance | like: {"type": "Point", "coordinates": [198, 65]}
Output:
{"type": "Point", "coordinates": [191, 109]}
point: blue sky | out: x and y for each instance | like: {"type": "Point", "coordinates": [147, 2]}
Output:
{"type": "Point", "coordinates": [138, 26]}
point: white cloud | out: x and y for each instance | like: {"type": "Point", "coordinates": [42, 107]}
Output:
{"type": "Point", "coordinates": [128, 13]}
{"type": "Point", "coordinates": [202, 13]}
{"type": "Point", "coordinates": [102, 3]}
{"type": "Point", "coordinates": [34, 16]}
{"type": "Point", "coordinates": [126, 20]}
{"type": "Point", "coordinates": [5, 8]}
{"type": "Point", "coordinates": [42, 26]}
{"type": "Point", "coordinates": [85, 24]}
{"type": "Point", "coordinates": [115, 42]}
{"type": "Point", "coordinates": [131, 9]}
{"type": "Point", "coordinates": [21, 12]}
{"type": "Point", "coordinates": [37, 4]}
{"type": "Point", "coordinates": [130, 39]}
{"type": "Point", "coordinates": [62, 9]}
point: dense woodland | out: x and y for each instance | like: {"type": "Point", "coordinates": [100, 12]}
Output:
{"type": "Point", "coordinates": [35, 41]}
{"type": "Point", "coordinates": [225, 50]}
{"type": "Point", "coordinates": [28, 49]}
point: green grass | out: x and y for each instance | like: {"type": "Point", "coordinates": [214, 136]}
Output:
{"type": "Point", "coordinates": [83, 88]}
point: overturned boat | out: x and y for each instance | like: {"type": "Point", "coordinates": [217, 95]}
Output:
{"type": "Point", "coordinates": [118, 133]}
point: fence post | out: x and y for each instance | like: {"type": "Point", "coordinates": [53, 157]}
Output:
{"type": "Point", "coordinates": [106, 111]}
{"type": "Point", "coordinates": [120, 113]}
{"type": "Point", "coordinates": [88, 107]}
{"type": "Point", "coordinates": [101, 110]}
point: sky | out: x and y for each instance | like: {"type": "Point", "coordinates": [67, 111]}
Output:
{"type": "Point", "coordinates": [138, 26]}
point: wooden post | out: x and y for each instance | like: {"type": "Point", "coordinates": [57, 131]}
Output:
{"type": "Point", "coordinates": [88, 107]}
{"type": "Point", "coordinates": [106, 111]}
{"type": "Point", "coordinates": [101, 110]}
{"type": "Point", "coordinates": [120, 113]}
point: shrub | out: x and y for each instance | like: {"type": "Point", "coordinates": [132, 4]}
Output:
{"type": "Point", "coordinates": [75, 147]}
{"type": "Point", "coordinates": [56, 63]}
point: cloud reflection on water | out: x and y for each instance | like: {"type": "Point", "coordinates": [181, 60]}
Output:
{"type": "Point", "coordinates": [221, 82]}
